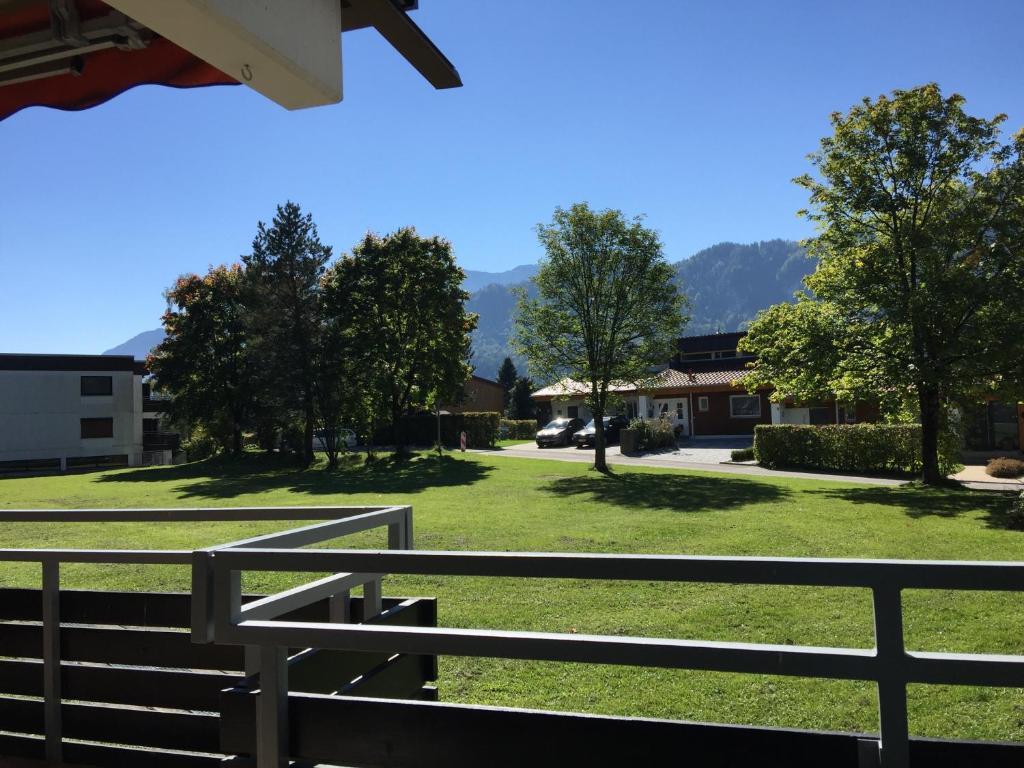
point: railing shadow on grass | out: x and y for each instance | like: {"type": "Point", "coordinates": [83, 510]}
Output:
{"type": "Point", "coordinates": [236, 476]}
{"type": "Point", "coordinates": [917, 502]}
{"type": "Point", "coordinates": [678, 493]}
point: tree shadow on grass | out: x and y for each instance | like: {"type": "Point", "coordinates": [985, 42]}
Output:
{"type": "Point", "coordinates": [678, 493]}
{"type": "Point", "coordinates": [918, 502]}
{"type": "Point", "coordinates": [223, 478]}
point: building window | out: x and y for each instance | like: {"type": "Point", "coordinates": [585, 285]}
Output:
{"type": "Point", "coordinates": [745, 406]}
{"type": "Point", "coordinates": [821, 414]}
{"type": "Point", "coordinates": [574, 411]}
{"type": "Point", "coordinates": [97, 428]}
{"type": "Point", "coordinates": [679, 411]}
{"type": "Point", "coordinates": [93, 386]}
{"type": "Point", "coordinates": [702, 404]}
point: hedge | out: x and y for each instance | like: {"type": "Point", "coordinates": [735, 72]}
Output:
{"type": "Point", "coordinates": [890, 448]}
{"type": "Point", "coordinates": [481, 429]}
{"type": "Point", "coordinates": [517, 429]}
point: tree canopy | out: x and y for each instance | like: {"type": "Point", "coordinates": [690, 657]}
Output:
{"type": "Point", "coordinates": [607, 308]}
{"type": "Point", "coordinates": [918, 296]}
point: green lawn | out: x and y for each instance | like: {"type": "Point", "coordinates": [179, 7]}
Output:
{"type": "Point", "coordinates": [487, 502]}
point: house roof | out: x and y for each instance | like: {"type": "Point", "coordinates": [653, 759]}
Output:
{"type": "Point", "coordinates": [669, 380]}
{"type": "Point", "coordinates": [19, 362]}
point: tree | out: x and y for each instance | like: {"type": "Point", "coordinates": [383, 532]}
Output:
{"type": "Point", "coordinates": [918, 295]}
{"type": "Point", "coordinates": [408, 313]}
{"type": "Point", "coordinates": [521, 405]}
{"type": "Point", "coordinates": [202, 360]}
{"type": "Point", "coordinates": [607, 308]}
{"type": "Point", "coordinates": [507, 376]}
{"type": "Point", "coordinates": [284, 272]}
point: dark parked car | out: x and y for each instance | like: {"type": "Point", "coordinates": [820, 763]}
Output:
{"type": "Point", "coordinates": [558, 432]}
{"type": "Point", "coordinates": [612, 426]}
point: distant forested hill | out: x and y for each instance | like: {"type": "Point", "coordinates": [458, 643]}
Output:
{"type": "Point", "coordinates": [729, 283]}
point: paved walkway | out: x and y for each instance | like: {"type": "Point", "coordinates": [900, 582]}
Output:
{"type": "Point", "coordinates": [974, 476]}
{"type": "Point", "coordinates": [706, 455]}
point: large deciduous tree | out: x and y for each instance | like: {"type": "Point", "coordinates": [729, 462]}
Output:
{"type": "Point", "coordinates": [202, 360]}
{"type": "Point", "coordinates": [283, 272]}
{"type": "Point", "coordinates": [607, 308]}
{"type": "Point", "coordinates": [408, 314]}
{"type": "Point", "coordinates": [919, 289]}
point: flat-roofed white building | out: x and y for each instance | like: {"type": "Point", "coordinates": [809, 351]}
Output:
{"type": "Point", "coordinates": [70, 411]}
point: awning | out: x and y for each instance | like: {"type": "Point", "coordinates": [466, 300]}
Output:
{"type": "Point", "coordinates": [113, 56]}
{"type": "Point", "coordinates": [75, 54]}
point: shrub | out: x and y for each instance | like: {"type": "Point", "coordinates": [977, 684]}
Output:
{"type": "Point", "coordinates": [1015, 519]}
{"type": "Point", "coordinates": [742, 454]}
{"type": "Point", "coordinates": [199, 445]}
{"type": "Point", "coordinates": [517, 429]}
{"type": "Point", "coordinates": [892, 448]}
{"type": "Point", "coordinates": [481, 430]}
{"type": "Point", "coordinates": [654, 435]}
{"type": "Point", "coordinates": [1005, 467]}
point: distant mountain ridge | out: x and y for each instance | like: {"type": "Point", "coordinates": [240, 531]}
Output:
{"type": "Point", "coordinates": [728, 284]}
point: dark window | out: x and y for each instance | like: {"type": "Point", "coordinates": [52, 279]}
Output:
{"type": "Point", "coordinates": [97, 462]}
{"type": "Point", "coordinates": [574, 411]}
{"type": "Point", "coordinates": [97, 428]}
{"type": "Point", "coordinates": [97, 385]}
{"type": "Point", "coordinates": [150, 425]}
{"type": "Point", "coordinates": [745, 406]}
{"type": "Point", "coordinates": [822, 415]}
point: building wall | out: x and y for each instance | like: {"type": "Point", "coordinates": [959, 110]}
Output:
{"type": "Point", "coordinates": [40, 413]}
{"type": "Point", "coordinates": [480, 395]}
{"type": "Point", "coordinates": [717, 420]}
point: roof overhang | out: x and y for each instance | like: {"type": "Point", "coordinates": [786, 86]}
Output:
{"type": "Point", "coordinates": [74, 54]}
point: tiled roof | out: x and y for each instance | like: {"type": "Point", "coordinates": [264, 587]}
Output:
{"type": "Point", "coordinates": [669, 379]}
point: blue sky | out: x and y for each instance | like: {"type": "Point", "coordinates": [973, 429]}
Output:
{"type": "Point", "coordinates": [697, 114]}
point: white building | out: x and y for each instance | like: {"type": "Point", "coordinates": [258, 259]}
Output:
{"type": "Point", "coordinates": [71, 411]}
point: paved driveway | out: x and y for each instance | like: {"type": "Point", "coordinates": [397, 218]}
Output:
{"type": "Point", "coordinates": [705, 454]}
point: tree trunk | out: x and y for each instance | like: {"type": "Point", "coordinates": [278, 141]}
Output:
{"type": "Point", "coordinates": [928, 397]}
{"type": "Point", "coordinates": [236, 440]}
{"type": "Point", "coordinates": [398, 432]}
{"type": "Point", "coordinates": [600, 464]}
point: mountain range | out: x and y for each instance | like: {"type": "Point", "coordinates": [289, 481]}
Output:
{"type": "Point", "coordinates": [728, 284]}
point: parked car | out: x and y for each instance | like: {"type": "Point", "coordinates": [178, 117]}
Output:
{"type": "Point", "coordinates": [346, 439]}
{"type": "Point", "coordinates": [558, 432]}
{"type": "Point", "coordinates": [612, 426]}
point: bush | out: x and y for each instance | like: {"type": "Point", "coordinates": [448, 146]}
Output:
{"type": "Point", "coordinates": [481, 430]}
{"type": "Point", "coordinates": [894, 448]}
{"type": "Point", "coordinates": [1005, 467]}
{"type": "Point", "coordinates": [199, 445]}
{"type": "Point", "coordinates": [654, 435]}
{"type": "Point", "coordinates": [517, 429]}
{"type": "Point", "coordinates": [742, 454]}
{"type": "Point", "coordinates": [1016, 517]}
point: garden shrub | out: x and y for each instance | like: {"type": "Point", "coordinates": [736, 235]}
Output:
{"type": "Point", "coordinates": [481, 429]}
{"type": "Point", "coordinates": [199, 445]}
{"type": "Point", "coordinates": [1015, 519]}
{"type": "Point", "coordinates": [742, 454]}
{"type": "Point", "coordinates": [517, 429]}
{"type": "Point", "coordinates": [652, 435]}
{"type": "Point", "coordinates": [1005, 467]}
{"type": "Point", "coordinates": [894, 448]}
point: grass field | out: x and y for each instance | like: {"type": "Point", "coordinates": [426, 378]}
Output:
{"type": "Point", "coordinates": [487, 502]}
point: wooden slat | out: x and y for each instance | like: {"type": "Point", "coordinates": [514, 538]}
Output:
{"type": "Point", "coordinates": [131, 647]}
{"type": "Point", "coordinates": [139, 609]}
{"type": "Point", "coordinates": [405, 734]}
{"type": "Point", "coordinates": [170, 689]}
{"type": "Point", "coordinates": [400, 677]}
{"type": "Point", "coordinates": [25, 751]}
{"type": "Point", "coordinates": [119, 725]}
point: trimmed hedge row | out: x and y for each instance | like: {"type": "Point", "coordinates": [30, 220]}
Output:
{"type": "Point", "coordinates": [481, 429]}
{"type": "Point", "coordinates": [892, 448]}
{"type": "Point", "coordinates": [517, 429]}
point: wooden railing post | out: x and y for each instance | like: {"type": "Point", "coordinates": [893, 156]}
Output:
{"type": "Point", "coordinates": [51, 660]}
{"type": "Point", "coordinates": [894, 743]}
{"type": "Point", "coordinates": [272, 716]}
